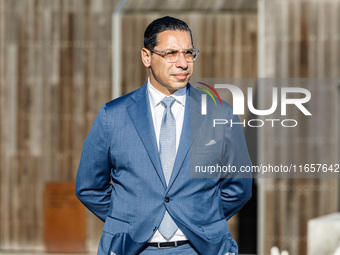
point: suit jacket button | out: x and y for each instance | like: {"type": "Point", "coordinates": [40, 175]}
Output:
{"type": "Point", "coordinates": [167, 199]}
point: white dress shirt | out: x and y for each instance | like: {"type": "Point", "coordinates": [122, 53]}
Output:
{"type": "Point", "coordinates": [157, 109]}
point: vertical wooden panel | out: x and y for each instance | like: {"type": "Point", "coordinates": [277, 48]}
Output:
{"type": "Point", "coordinates": [300, 43]}
{"type": "Point", "coordinates": [10, 129]}
{"type": "Point", "coordinates": [46, 109]}
{"type": "Point", "coordinates": [3, 191]}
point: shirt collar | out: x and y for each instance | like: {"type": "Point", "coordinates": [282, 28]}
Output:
{"type": "Point", "coordinates": [156, 96]}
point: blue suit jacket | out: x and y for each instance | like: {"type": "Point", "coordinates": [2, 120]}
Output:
{"type": "Point", "coordinates": [120, 177]}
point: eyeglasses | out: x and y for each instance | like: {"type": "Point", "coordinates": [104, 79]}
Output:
{"type": "Point", "coordinates": [190, 55]}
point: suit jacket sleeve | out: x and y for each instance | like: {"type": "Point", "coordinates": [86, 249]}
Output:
{"type": "Point", "coordinates": [93, 187]}
{"type": "Point", "coordinates": [236, 188]}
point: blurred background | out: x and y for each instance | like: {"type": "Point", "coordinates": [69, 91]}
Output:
{"type": "Point", "coordinates": [60, 60]}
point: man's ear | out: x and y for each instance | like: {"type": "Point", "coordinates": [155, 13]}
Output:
{"type": "Point", "coordinates": [146, 57]}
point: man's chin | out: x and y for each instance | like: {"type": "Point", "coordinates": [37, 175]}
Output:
{"type": "Point", "coordinates": [180, 84]}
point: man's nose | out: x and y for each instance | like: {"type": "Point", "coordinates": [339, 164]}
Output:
{"type": "Point", "coordinates": [181, 61]}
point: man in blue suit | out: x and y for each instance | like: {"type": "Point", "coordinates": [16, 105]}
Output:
{"type": "Point", "coordinates": [134, 171]}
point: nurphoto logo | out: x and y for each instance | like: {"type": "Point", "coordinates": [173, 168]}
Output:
{"type": "Point", "coordinates": [300, 97]}
{"type": "Point", "coordinates": [204, 97]}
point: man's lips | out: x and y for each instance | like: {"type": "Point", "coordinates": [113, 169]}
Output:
{"type": "Point", "coordinates": [180, 76]}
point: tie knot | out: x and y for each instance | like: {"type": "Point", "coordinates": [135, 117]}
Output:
{"type": "Point", "coordinates": [168, 101]}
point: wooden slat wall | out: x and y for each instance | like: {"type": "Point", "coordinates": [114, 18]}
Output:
{"type": "Point", "coordinates": [55, 74]}
{"type": "Point", "coordinates": [55, 71]}
{"type": "Point", "coordinates": [180, 6]}
{"type": "Point", "coordinates": [301, 40]}
{"type": "Point", "coordinates": [55, 67]}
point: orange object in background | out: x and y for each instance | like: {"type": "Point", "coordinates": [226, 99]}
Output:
{"type": "Point", "coordinates": [65, 227]}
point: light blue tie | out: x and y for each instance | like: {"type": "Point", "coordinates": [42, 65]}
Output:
{"type": "Point", "coordinates": [167, 152]}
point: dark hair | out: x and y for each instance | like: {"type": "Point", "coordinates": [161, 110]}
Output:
{"type": "Point", "coordinates": [160, 25]}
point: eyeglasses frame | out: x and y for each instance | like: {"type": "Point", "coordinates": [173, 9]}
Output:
{"type": "Point", "coordinates": [165, 53]}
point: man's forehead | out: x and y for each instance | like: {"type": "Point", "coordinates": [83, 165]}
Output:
{"type": "Point", "coordinates": [174, 36]}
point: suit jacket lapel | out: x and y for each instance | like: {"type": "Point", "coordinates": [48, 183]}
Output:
{"type": "Point", "coordinates": [141, 117]}
{"type": "Point", "coordinates": [191, 124]}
